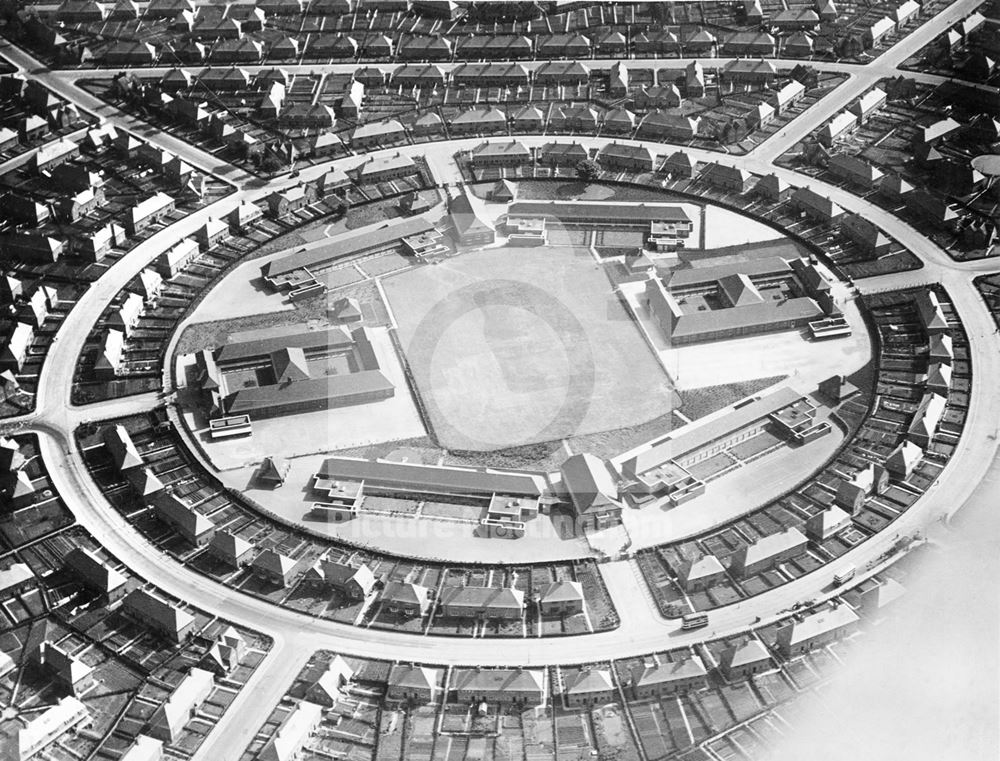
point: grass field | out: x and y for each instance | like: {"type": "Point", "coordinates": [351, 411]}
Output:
{"type": "Point", "coordinates": [515, 346]}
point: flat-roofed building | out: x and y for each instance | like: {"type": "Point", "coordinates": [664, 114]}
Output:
{"type": "Point", "coordinates": [168, 721]}
{"type": "Point", "coordinates": [400, 479]}
{"type": "Point", "coordinates": [767, 552]}
{"type": "Point", "coordinates": [797, 637]}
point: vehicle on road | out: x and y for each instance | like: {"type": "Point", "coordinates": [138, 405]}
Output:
{"type": "Point", "coordinates": [694, 621]}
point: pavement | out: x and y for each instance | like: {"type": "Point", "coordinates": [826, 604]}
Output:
{"type": "Point", "coordinates": [296, 635]}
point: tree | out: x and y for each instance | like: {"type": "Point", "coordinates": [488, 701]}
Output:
{"type": "Point", "coordinates": [587, 170]}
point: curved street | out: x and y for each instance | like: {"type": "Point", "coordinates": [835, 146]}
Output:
{"type": "Point", "coordinates": [642, 629]}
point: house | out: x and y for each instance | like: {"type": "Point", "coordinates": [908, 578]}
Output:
{"type": "Point", "coordinates": [244, 216]}
{"type": "Point", "coordinates": [148, 212]}
{"type": "Point", "coordinates": [799, 636]}
{"type": "Point", "coordinates": [490, 75]}
{"type": "Point", "coordinates": [562, 73]}
{"type": "Point", "coordinates": [64, 669]}
{"type": "Point", "coordinates": [827, 523]}
{"type": "Point", "coordinates": [226, 653]}
{"type": "Point", "coordinates": [938, 131]}
{"type": "Point", "coordinates": [122, 449]}
{"type": "Point", "coordinates": [699, 574]}
{"type": "Point", "coordinates": [48, 726]}
{"type": "Point", "coordinates": [869, 238]}
{"type": "Point", "coordinates": [661, 125]}
{"type": "Point", "coordinates": [209, 235]}
{"type": "Point", "coordinates": [376, 133]}
{"type": "Point", "coordinates": [31, 128]}
{"type": "Point", "coordinates": [126, 317]}
{"type": "Point", "coordinates": [903, 460]}
{"type": "Point", "coordinates": [145, 748]}
{"type": "Point", "coordinates": [618, 121]}
{"type": "Point", "coordinates": [406, 599]}
{"type": "Point", "coordinates": [274, 568]}
{"type": "Point", "coordinates": [53, 154]}
{"type": "Point", "coordinates": [503, 686]}
{"type": "Point", "coordinates": [96, 575]}
{"type": "Point", "coordinates": [353, 582]}
{"type": "Point", "coordinates": [326, 690]}
{"type": "Point", "coordinates": [875, 33]}
{"type": "Point", "coordinates": [416, 684]}
{"type": "Point", "coordinates": [668, 677]}
{"type": "Point", "coordinates": [592, 491]}
{"type": "Point", "coordinates": [760, 116]}
{"type": "Point", "coordinates": [168, 721]}
{"type": "Point", "coordinates": [428, 124]}
{"type": "Point", "coordinates": [657, 96]}
{"type": "Point", "coordinates": [230, 549]}
{"type": "Point", "coordinates": [163, 617]}
{"type": "Point", "coordinates": [749, 43]}
{"type": "Point", "coordinates": [679, 165]}
{"type": "Point", "coordinates": [193, 527]}
{"type": "Point", "coordinates": [855, 170]}
{"type": "Point", "coordinates": [282, 203]}
{"type": "Point", "coordinates": [795, 20]}
{"type": "Point", "coordinates": [175, 259]}
{"type": "Point", "coordinates": [798, 45]}
{"type": "Point", "coordinates": [16, 577]}
{"type": "Point", "coordinates": [786, 96]}
{"type": "Point", "coordinates": [815, 206]}
{"type": "Point", "coordinates": [562, 598]}
{"type": "Point", "coordinates": [727, 177]}
{"type": "Point", "coordinates": [502, 153]}
{"type": "Point", "coordinates": [299, 725]}
{"type": "Point", "coordinates": [744, 659]}
{"type": "Point", "coordinates": [561, 154]}
{"type": "Point", "coordinates": [385, 168]}
{"type": "Point", "coordinates": [110, 357]}
{"type": "Point", "coordinates": [767, 552]}
{"type": "Point", "coordinates": [588, 687]}
{"type": "Point", "coordinates": [14, 347]}
{"type": "Point", "coordinates": [840, 125]}
{"type": "Point", "coordinates": [895, 188]}
{"type": "Point", "coordinates": [868, 104]}
{"type": "Point", "coordinates": [625, 157]}
{"type": "Point", "coordinates": [483, 603]}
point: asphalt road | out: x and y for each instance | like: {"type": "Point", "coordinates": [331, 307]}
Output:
{"type": "Point", "coordinates": [296, 635]}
